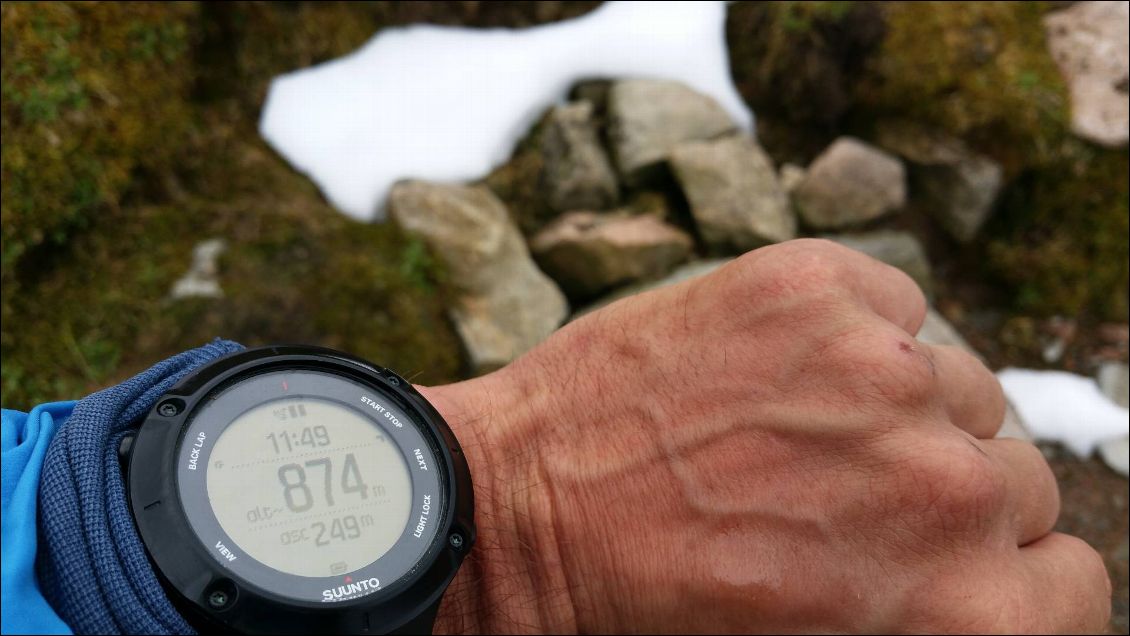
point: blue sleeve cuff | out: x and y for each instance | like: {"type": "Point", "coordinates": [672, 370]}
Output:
{"type": "Point", "coordinates": [25, 437]}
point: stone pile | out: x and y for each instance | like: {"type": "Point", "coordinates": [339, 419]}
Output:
{"type": "Point", "coordinates": [632, 179]}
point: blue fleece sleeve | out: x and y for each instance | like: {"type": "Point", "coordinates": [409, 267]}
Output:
{"type": "Point", "coordinates": [25, 439]}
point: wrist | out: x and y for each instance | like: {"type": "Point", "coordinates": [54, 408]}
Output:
{"type": "Point", "coordinates": [513, 580]}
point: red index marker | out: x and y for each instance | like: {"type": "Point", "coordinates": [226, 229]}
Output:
{"type": "Point", "coordinates": [285, 387]}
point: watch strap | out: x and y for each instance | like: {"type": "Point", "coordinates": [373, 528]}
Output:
{"type": "Point", "coordinates": [422, 623]}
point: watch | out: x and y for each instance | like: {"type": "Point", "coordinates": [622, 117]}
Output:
{"type": "Point", "coordinates": [297, 489]}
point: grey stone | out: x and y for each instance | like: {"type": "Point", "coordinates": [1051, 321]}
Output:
{"type": "Point", "coordinates": [937, 331]}
{"type": "Point", "coordinates": [592, 90]}
{"type": "Point", "coordinates": [577, 173]}
{"type": "Point", "coordinates": [1114, 380]}
{"type": "Point", "coordinates": [791, 175]}
{"type": "Point", "coordinates": [1116, 454]}
{"type": "Point", "coordinates": [688, 271]}
{"type": "Point", "coordinates": [587, 253]}
{"type": "Point", "coordinates": [850, 183]}
{"type": "Point", "coordinates": [1091, 43]}
{"type": "Point", "coordinates": [897, 249]}
{"type": "Point", "coordinates": [958, 185]}
{"type": "Point", "coordinates": [734, 195]}
{"type": "Point", "coordinates": [202, 278]}
{"type": "Point", "coordinates": [647, 118]}
{"type": "Point", "coordinates": [504, 305]}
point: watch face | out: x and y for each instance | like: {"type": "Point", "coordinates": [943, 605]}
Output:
{"type": "Point", "coordinates": [305, 484]}
{"type": "Point", "coordinates": [309, 485]}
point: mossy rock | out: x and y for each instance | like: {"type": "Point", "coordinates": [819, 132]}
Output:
{"type": "Point", "coordinates": [978, 70]}
{"type": "Point", "coordinates": [519, 182]}
{"type": "Point", "coordinates": [797, 65]}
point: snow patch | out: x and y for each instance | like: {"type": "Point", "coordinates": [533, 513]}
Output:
{"type": "Point", "coordinates": [1064, 407]}
{"type": "Point", "coordinates": [449, 104]}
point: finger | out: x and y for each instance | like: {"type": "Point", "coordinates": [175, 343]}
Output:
{"type": "Point", "coordinates": [1031, 493]}
{"type": "Point", "coordinates": [971, 394]}
{"type": "Point", "coordinates": [886, 290]}
{"type": "Point", "coordinates": [1067, 585]}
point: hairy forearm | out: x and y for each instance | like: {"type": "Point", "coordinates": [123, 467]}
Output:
{"type": "Point", "coordinates": [512, 582]}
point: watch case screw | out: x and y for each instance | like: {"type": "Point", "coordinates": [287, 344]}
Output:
{"type": "Point", "coordinates": [218, 599]}
{"type": "Point", "coordinates": [456, 541]}
{"type": "Point", "coordinates": [168, 409]}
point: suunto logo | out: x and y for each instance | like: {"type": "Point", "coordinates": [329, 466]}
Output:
{"type": "Point", "coordinates": [351, 590]}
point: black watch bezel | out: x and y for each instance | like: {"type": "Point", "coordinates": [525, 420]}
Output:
{"type": "Point", "coordinates": [192, 576]}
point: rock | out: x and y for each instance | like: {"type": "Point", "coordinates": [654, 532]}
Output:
{"type": "Point", "coordinates": [594, 91]}
{"type": "Point", "coordinates": [850, 183]}
{"type": "Point", "coordinates": [1116, 454]}
{"type": "Point", "coordinates": [577, 173]}
{"type": "Point", "coordinates": [201, 280]}
{"type": "Point", "coordinates": [958, 185]}
{"type": "Point", "coordinates": [897, 249]}
{"type": "Point", "coordinates": [1114, 381]}
{"type": "Point", "coordinates": [504, 305]}
{"type": "Point", "coordinates": [647, 118]}
{"type": "Point", "coordinates": [791, 175]}
{"type": "Point", "coordinates": [936, 330]}
{"type": "Point", "coordinates": [587, 253]}
{"type": "Point", "coordinates": [734, 195]}
{"type": "Point", "coordinates": [680, 274]}
{"type": "Point", "coordinates": [1090, 42]}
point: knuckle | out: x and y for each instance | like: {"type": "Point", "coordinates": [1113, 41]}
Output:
{"type": "Point", "coordinates": [804, 267]}
{"type": "Point", "coordinates": [1044, 476]}
{"type": "Point", "coordinates": [1088, 558]}
{"type": "Point", "coordinates": [952, 482]}
{"type": "Point", "coordinates": [1085, 579]}
{"type": "Point", "coordinates": [883, 366]}
{"type": "Point", "coordinates": [969, 363]}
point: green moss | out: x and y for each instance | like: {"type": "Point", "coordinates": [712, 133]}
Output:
{"type": "Point", "coordinates": [979, 70]}
{"type": "Point", "coordinates": [797, 64]}
{"type": "Point", "coordinates": [519, 182]}
{"type": "Point", "coordinates": [1060, 239]}
{"type": "Point", "coordinates": [81, 111]}
{"type": "Point", "coordinates": [295, 271]}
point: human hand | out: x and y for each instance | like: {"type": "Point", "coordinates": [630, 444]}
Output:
{"type": "Point", "coordinates": [766, 448]}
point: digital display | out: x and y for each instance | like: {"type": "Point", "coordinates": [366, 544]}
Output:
{"type": "Point", "coordinates": [309, 487]}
